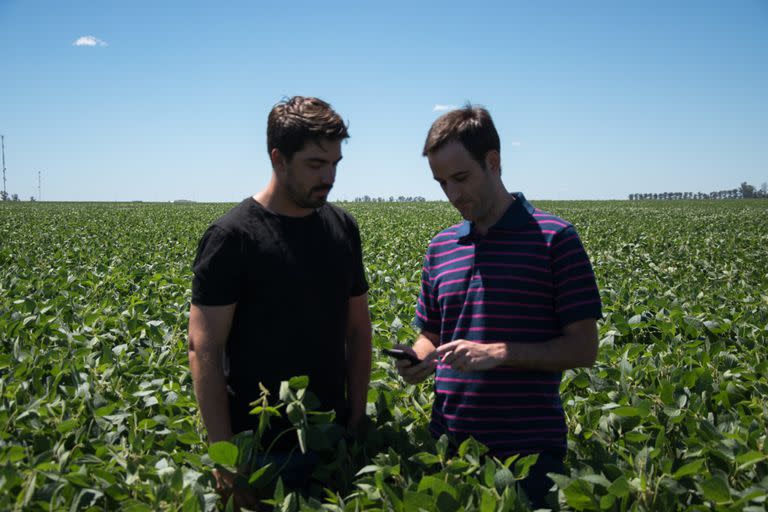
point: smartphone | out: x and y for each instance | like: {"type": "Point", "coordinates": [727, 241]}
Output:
{"type": "Point", "coordinates": [401, 354]}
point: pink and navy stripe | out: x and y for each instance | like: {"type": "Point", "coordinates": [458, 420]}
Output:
{"type": "Point", "coordinates": [526, 279]}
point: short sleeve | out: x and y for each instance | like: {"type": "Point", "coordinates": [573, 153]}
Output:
{"type": "Point", "coordinates": [359, 282]}
{"type": "Point", "coordinates": [576, 293]}
{"type": "Point", "coordinates": [217, 269]}
{"type": "Point", "coordinates": [427, 311]}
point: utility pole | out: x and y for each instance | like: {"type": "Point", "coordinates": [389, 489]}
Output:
{"type": "Point", "coordinates": [39, 194]}
{"type": "Point", "coordinates": [2, 142]}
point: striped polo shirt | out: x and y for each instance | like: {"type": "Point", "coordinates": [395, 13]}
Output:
{"type": "Point", "coordinates": [522, 282]}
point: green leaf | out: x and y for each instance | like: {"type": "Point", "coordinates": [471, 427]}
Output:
{"type": "Point", "coordinates": [224, 453]}
{"type": "Point", "coordinates": [636, 437]}
{"type": "Point", "coordinates": [66, 426]}
{"type": "Point", "coordinates": [188, 438]}
{"type": "Point", "coordinates": [286, 393]}
{"type": "Point", "coordinates": [436, 486]}
{"type": "Point", "coordinates": [750, 458]}
{"type": "Point", "coordinates": [295, 412]}
{"type": "Point", "coordinates": [418, 500]}
{"type": "Point", "coordinates": [134, 506]}
{"type": "Point", "coordinates": [688, 469]}
{"type": "Point", "coordinates": [104, 411]}
{"type": "Point", "coordinates": [447, 503]}
{"type": "Point", "coordinates": [619, 487]}
{"type": "Point", "coordinates": [579, 496]}
{"type": "Point", "coordinates": [487, 501]}
{"type": "Point", "coordinates": [716, 489]}
{"type": "Point", "coordinates": [78, 479]}
{"type": "Point", "coordinates": [607, 501]}
{"type": "Point", "coordinates": [489, 471]}
{"type": "Point", "coordinates": [626, 412]}
{"type": "Point", "coordinates": [425, 458]}
{"type": "Point", "coordinates": [371, 468]}
{"type": "Point", "coordinates": [503, 479]}
{"type": "Point", "coordinates": [523, 465]}
{"type": "Point", "coordinates": [16, 453]}
{"type": "Point", "coordinates": [301, 434]}
{"type": "Point", "coordinates": [597, 480]}
{"type": "Point", "coordinates": [257, 478]}
{"type": "Point", "coordinates": [299, 382]}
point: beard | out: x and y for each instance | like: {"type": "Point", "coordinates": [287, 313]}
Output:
{"type": "Point", "coordinates": [311, 198]}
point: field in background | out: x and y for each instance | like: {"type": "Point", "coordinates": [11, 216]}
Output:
{"type": "Point", "coordinates": [96, 407]}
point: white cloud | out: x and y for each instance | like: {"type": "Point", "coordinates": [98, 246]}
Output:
{"type": "Point", "coordinates": [516, 143]}
{"type": "Point", "coordinates": [443, 108]}
{"type": "Point", "coordinates": [89, 41]}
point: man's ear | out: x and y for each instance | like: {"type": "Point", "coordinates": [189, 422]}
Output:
{"type": "Point", "coordinates": [493, 161]}
{"type": "Point", "coordinates": [278, 160]}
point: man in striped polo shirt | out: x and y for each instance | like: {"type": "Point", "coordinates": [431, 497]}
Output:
{"type": "Point", "coordinates": [508, 301]}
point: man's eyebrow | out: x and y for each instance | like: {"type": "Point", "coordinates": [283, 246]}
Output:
{"type": "Point", "coordinates": [319, 160]}
{"type": "Point", "coordinates": [463, 171]}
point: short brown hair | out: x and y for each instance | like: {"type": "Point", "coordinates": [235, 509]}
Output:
{"type": "Point", "coordinates": [472, 126]}
{"type": "Point", "coordinates": [295, 121]}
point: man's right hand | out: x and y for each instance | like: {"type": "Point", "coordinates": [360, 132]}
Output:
{"type": "Point", "coordinates": [226, 486]}
{"type": "Point", "coordinates": [415, 373]}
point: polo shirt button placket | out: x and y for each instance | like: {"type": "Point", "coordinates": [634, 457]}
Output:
{"type": "Point", "coordinates": [475, 277]}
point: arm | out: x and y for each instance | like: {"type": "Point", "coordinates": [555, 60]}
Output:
{"type": "Point", "coordinates": [208, 330]}
{"type": "Point", "coordinates": [424, 349]}
{"type": "Point", "coordinates": [358, 340]}
{"type": "Point", "coordinates": [577, 347]}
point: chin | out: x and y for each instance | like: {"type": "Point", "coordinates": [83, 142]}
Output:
{"type": "Point", "coordinates": [315, 203]}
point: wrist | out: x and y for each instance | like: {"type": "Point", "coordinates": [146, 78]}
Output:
{"type": "Point", "coordinates": [502, 352]}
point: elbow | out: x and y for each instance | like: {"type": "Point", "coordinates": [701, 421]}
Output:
{"type": "Point", "coordinates": [192, 345]}
{"type": "Point", "coordinates": [589, 355]}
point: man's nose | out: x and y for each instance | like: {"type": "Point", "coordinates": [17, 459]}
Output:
{"type": "Point", "coordinates": [452, 192]}
{"type": "Point", "coordinates": [328, 174]}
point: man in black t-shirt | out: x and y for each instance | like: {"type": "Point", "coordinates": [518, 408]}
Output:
{"type": "Point", "coordinates": [279, 288]}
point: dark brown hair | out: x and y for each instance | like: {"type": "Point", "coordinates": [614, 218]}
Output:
{"type": "Point", "coordinates": [295, 121]}
{"type": "Point", "coordinates": [470, 125]}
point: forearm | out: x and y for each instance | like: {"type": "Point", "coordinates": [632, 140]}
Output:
{"type": "Point", "coordinates": [358, 372]}
{"type": "Point", "coordinates": [211, 392]}
{"type": "Point", "coordinates": [558, 354]}
{"type": "Point", "coordinates": [423, 346]}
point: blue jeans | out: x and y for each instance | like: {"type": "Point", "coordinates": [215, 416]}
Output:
{"type": "Point", "coordinates": [537, 484]}
{"type": "Point", "coordinates": [294, 468]}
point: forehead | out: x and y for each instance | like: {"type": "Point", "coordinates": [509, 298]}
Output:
{"type": "Point", "coordinates": [451, 159]}
{"type": "Point", "coordinates": [323, 149]}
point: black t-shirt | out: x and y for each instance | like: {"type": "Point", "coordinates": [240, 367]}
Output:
{"type": "Point", "coordinates": [291, 278]}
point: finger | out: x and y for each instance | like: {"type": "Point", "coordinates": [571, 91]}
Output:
{"type": "Point", "coordinates": [445, 347]}
{"type": "Point", "coordinates": [412, 371]}
{"type": "Point", "coordinates": [415, 379]}
{"type": "Point", "coordinates": [459, 362]}
{"type": "Point", "coordinates": [450, 357]}
{"type": "Point", "coordinates": [402, 364]}
{"type": "Point", "coordinates": [417, 373]}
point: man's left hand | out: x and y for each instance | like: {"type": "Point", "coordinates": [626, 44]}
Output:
{"type": "Point", "coordinates": [468, 356]}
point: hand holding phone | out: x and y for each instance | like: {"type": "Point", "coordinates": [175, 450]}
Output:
{"type": "Point", "coordinates": [401, 354]}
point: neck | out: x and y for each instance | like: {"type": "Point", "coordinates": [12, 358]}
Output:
{"type": "Point", "coordinates": [275, 199]}
{"type": "Point", "coordinates": [501, 203]}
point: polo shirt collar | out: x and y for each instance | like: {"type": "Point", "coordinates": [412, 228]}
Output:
{"type": "Point", "coordinates": [518, 214]}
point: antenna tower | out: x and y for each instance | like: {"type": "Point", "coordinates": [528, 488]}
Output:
{"type": "Point", "coordinates": [2, 142]}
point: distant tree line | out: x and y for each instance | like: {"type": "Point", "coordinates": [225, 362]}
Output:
{"type": "Point", "coordinates": [745, 191]}
{"type": "Point", "coordinates": [5, 196]}
{"type": "Point", "coordinates": [392, 199]}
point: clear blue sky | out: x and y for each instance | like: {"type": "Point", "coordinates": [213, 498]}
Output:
{"type": "Point", "coordinates": [592, 99]}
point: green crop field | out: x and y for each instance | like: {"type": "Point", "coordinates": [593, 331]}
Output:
{"type": "Point", "coordinates": [97, 411]}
